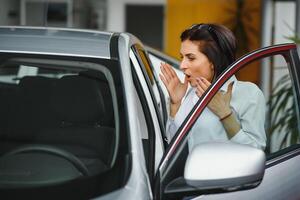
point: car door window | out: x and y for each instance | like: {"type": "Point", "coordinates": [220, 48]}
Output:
{"type": "Point", "coordinates": [278, 108]}
{"type": "Point", "coordinates": [282, 116]}
{"type": "Point", "coordinates": [279, 112]}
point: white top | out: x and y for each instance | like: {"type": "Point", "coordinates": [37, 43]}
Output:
{"type": "Point", "coordinates": [247, 103]}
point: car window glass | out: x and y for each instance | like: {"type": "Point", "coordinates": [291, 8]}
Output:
{"type": "Point", "coordinates": [252, 104]}
{"type": "Point", "coordinates": [13, 73]}
{"type": "Point", "coordinates": [282, 116]}
{"type": "Point", "coordinates": [242, 122]}
{"type": "Point", "coordinates": [67, 116]}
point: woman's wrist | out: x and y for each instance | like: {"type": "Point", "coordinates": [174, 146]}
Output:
{"type": "Point", "coordinates": [226, 116]}
{"type": "Point", "coordinates": [231, 124]}
{"type": "Point", "coordinates": [226, 113]}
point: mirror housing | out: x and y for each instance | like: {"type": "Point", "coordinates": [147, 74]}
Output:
{"type": "Point", "coordinates": [216, 167]}
{"type": "Point", "coordinates": [224, 165]}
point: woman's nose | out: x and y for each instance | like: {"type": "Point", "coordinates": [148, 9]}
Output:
{"type": "Point", "coordinates": [183, 65]}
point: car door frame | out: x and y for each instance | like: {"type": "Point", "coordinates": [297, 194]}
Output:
{"type": "Point", "coordinates": [145, 91]}
{"type": "Point", "coordinates": [288, 51]}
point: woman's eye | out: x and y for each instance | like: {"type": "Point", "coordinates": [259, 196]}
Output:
{"type": "Point", "coordinates": [191, 59]}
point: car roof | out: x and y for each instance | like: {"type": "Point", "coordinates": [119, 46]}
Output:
{"type": "Point", "coordinates": [57, 41]}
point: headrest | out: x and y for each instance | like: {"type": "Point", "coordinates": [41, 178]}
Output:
{"type": "Point", "coordinates": [78, 99]}
{"type": "Point", "coordinates": [36, 82]}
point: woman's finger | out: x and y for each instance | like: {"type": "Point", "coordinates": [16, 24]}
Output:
{"type": "Point", "coordinates": [198, 93]}
{"type": "Point", "coordinates": [202, 84]}
{"type": "Point", "coordinates": [167, 71]}
{"type": "Point", "coordinates": [229, 90]}
{"type": "Point", "coordinates": [200, 90]}
{"type": "Point", "coordinates": [172, 71]}
{"type": "Point", "coordinates": [162, 78]}
{"type": "Point", "coordinates": [205, 81]}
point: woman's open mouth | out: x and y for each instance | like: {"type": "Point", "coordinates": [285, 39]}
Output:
{"type": "Point", "coordinates": [188, 76]}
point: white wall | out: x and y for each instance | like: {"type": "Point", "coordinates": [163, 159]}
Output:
{"type": "Point", "coordinates": [285, 21]}
{"type": "Point", "coordinates": [116, 12]}
{"type": "Point", "coordinates": [32, 13]}
{"type": "Point", "coordinates": [99, 7]}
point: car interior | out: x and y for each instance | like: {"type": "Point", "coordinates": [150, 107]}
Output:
{"type": "Point", "coordinates": [59, 130]}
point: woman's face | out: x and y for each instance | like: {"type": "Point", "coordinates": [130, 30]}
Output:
{"type": "Point", "coordinates": [195, 64]}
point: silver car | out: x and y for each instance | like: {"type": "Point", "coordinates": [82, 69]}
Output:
{"type": "Point", "coordinates": [83, 116]}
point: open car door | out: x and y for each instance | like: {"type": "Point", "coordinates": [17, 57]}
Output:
{"type": "Point", "coordinates": [203, 172]}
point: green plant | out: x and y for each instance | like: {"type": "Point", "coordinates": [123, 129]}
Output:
{"type": "Point", "coordinates": [283, 112]}
{"type": "Point", "coordinates": [295, 39]}
{"type": "Point", "coordinates": [283, 109]}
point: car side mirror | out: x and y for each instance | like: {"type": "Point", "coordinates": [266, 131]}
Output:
{"type": "Point", "coordinates": [219, 167]}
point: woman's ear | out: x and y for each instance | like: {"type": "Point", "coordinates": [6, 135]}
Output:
{"type": "Point", "coordinates": [212, 68]}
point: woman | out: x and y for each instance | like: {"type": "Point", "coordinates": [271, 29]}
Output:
{"type": "Point", "coordinates": [236, 112]}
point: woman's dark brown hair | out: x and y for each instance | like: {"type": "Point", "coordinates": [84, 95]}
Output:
{"type": "Point", "coordinates": [215, 41]}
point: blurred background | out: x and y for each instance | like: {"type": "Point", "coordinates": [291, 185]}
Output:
{"type": "Point", "coordinates": [158, 23]}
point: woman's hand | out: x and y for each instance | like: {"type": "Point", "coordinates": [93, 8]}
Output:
{"type": "Point", "coordinates": [220, 103]}
{"type": "Point", "coordinates": [175, 88]}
